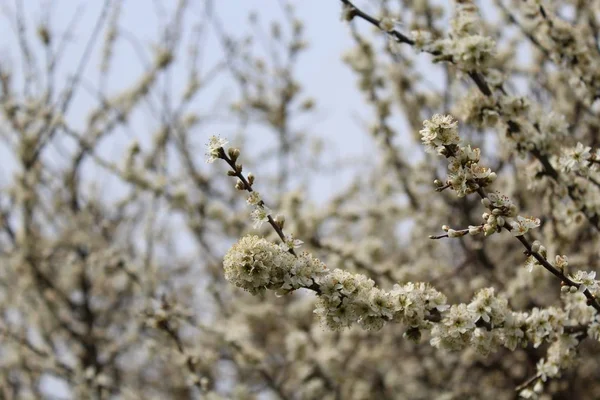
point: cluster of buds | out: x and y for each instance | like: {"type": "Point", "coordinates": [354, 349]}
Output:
{"type": "Point", "coordinates": [503, 214]}
{"type": "Point", "coordinates": [465, 174]}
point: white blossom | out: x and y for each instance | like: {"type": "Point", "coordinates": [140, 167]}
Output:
{"type": "Point", "coordinates": [440, 130]}
{"type": "Point", "coordinates": [523, 224]}
{"type": "Point", "coordinates": [213, 147]}
{"type": "Point", "coordinates": [260, 215]}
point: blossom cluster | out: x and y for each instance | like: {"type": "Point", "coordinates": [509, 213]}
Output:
{"type": "Point", "coordinates": [485, 323]}
{"type": "Point", "coordinates": [345, 299]}
{"type": "Point", "coordinates": [468, 53]}
{"type": "Point", "coordinates": [465, 174]}
{"type": "Point", "coordinates": [255, 264]}
{"type": "Point", "coordinates": [466, 48]}
{"type": "Point", "coordinates": [577, 159]}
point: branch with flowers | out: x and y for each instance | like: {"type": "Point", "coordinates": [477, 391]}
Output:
{"type": "Point", "coordinates": [531, 131]}
{"type": "Point", "coordinates": [344, 298]}
{"type": "Point", "coordinates": [466, 176]}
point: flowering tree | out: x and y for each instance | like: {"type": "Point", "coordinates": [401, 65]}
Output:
{"type": "Point", "coordinates": [460, 263]}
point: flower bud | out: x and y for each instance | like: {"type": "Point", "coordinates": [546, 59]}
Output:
{"type": "Point", "coordinates": [542, 251]}
{"type": "Point", "coordinates": [474, 230]}
{"type": "Point", "coordinates": [386, 24]}
{"type": "Point", "coordinates": [488, 229]}
{"type": "Point", "coordinates": [454, 233]}
{"type": "Point", "coordinates": [280, 220]}
{"type": "Point", "coordinates": [561, 262]}
{"type": "Point", "coordinates": [233, 153]}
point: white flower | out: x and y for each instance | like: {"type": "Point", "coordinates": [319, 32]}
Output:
{"type": "Point", "coordinates": [440, 130]}
{"type": "Point", "coordinates": [561, 262]}
{"type": "Point", "coordinates": [213, 148]}
{"type": "Point", "coordinates": [260, 215]}
{"type": "Point", "coordinates": [499, 201]}
{"type": "Point", "coordinates": [546, 369]}
{"type": "Point", "coordinates": [471, 153]}
{"type": "Point", "coordinates": [479, 172]}
{"type": "Point", "coordinates": [458, 181]}
{"type": "Point", "coordinates": [455, 330]}
{"type": "Point", "coordinates": [575, 158]}
{"type": "Point", "coordinates": [531, 262]}
{"type": "Point", "coordinates": [488, 307]}
{"type": "Point", "coordinates": [543, 322]}
{"type": "Point", "coordinates": [466, 19]}
{"type": "Point", "coordinates": [386, 24]}
{"type": "Point", "coordinates": [305, 271]}
{"type": "Point", "coordinates": [421, 38]}
{"type": "Point", "coordinates": [291, 243]}
{"type": "Point", "coordinates": [587, 280]}
{"type": "Point", "coordinates": [372, 322]}
{"type": "Point", "coordinates": [254, 198]}
{"type": "Point", "coordinates": [454, 233]}
{"type": "Point", "coordinates": [474, 52]}
{"type": "Point", "coordinates": [380, 303]}
{"type": "Point", "coordinates": [524, 224]}
{"type": "Point", "coordinates": [581, 152]}
{"type": "Point", "coordinates": [459, 319]}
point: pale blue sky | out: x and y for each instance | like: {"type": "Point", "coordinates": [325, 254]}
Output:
{"type": "Point", "coordinates": [320, 68]}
